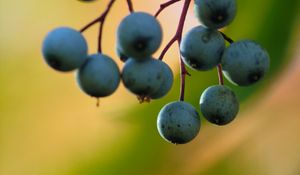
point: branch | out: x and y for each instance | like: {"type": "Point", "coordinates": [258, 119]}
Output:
{"type": "Point", "coordinates": [165, 5]}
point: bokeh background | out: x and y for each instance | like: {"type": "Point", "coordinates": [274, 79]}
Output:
{"type": "Point", "coordinates": [49, 127]}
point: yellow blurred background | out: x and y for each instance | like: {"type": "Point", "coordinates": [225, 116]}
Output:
{"type": "Point", "coordinates": [49, 127]}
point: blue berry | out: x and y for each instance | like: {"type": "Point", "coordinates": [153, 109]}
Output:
{"type": "Point", "coordinates": [99, 76]}
{"type": "Point", "coordinates": [202, 48]}
{"type": "Point", "coordinates": [64, 49]}
{"type": "Point", "coordinates": [219, 104]}
{"type": "Point", "coordinates": [245, 62]}
{"type": "Point", "coordinates": [139, 35]}
{"type": "Point", "coordinates": [142, 77]}
{"type": "Point", "coordinates": [178, 122]}
{"type": "Point", "coordinates": [215, 14]}
{"type": "Point", "coordinates": [167, 76]}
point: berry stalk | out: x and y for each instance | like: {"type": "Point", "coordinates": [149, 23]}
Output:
{"type": "Point", "coordinates": [101, 20]}
{"type": "Point", "coordinates": [227, 38]}
{"type": "Point", "coordinates": [177, 37]}
{"type": "Point", "coordinates": [130, 6]}
{"type": "Point", "coordinates": [220, 75]}
{"type": "Point", "coordinates": [165, 5]}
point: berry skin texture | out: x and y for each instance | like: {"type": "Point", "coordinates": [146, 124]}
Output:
{"type": "Point", "coordinates": [245, 62]}
{"type": "Point", "coordinates": [167, 76]}
{"type": "Point", "coordinates": [219, 105]}
{"type": "Point", "coordinates": [99, 76]}
{"type": "Point", "coordinates": [178, 122]}
{"type": "Point", "coordinates": [64, 49]}
{"type": "Point", "coordinates": [202, 48]}
{"type": "Point", "coordinates": [143, 77]}
{"type": "Point", "coordinates": [215, 14]}
{"type": "Point", "coordinates": [139, 35]}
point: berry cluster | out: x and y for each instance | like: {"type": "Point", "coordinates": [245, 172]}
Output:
{"type": "Point", "coordinates": [139, 35]}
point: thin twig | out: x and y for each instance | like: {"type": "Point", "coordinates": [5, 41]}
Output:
{"type": "Point", "coordinates": [130, 6]}
{"type": "Point", "coordinates": [220, 75]}
{"type": "Point", "coordinates": [177, 37]}
{"type": "Point", "coordinates": [90, 24]}
{"type": "Point", "coordinates": [165, 5]}
{"type": "Point", "coordinates": [101, 20]}
{"type": "Point", "coordinates": [227, 38]}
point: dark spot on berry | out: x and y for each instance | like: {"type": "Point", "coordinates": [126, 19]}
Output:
{"type": "Point", "coordinates": [219, 15]}
{"type": "Point", "coordinates": [53, 62]}
{"type": "Point", "coordinates": [194, 63]}
{"type": "Point", "coordinates": [254, 76]}
{"type": "Point", "coordinates": [178, 126]}
{"type": "Point", "coordinates": [130, 82]}
{"type": "Point", "coordinates": [162, 126]}
{"type": "Point", "coordinates": [169, 127]}
{"type": "Point", "coordinates": [141, 43]}
{"type": "Point", "coordinates": [123, 57]}
{"type": "Point", "coordinates": [158, 77]}
{"type": "Point", "coordinates": [206, 37]}
{"type": "Point", "coordinates": [176, 140]}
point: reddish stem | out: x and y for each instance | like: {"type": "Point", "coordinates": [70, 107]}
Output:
{"type": "Point", "coordinates": [101, 20]}
{"type": "Point", "coordinates": [165, 5]}
{"type": "Point", "coordinates": [177, 37]}
{"type": "Point", "coordinates": [130, 6]}
{"type": "Point", "coordinates": [220, 75]}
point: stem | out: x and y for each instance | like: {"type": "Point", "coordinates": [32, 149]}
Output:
{"type": "Point", "coordinates": [183, 73]}
{"type": "Point", "coordinates": [90, 24]}
{"type": "Point", "coordinates": [227, 38]}
{"type": "Point", "coordinates": [100, 37]}
{"type": "Point", "coordinates": [220, 75]}
{"type": "Point", "coordinates": [177, 37]}
{"type": "Point", "coordinates": [165, 5]}
{"type": "Point", "coordinates": [101, 20]}
{"type": "Point", "coordinates": [178, 34]}
{"type": "Point", "coordinates": [130, 6]}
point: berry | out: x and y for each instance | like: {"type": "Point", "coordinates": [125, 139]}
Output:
{"type": "Point", "coordinates": [245, 62]}
{"type": "Point", "coordinates": [99, 76]}
{"type": "Point", "coordinates": [167, 76]}
{"type": "Point", "coordinates": [202, 48]}
{"type": "Point", "coordinates": [215, 14]}
{"type": "Point", "coordinates": [219, 104]}
{"type": "Point", "coordinates": [139, 35]}
{"type": "Point", "coordinates": [143, 77]}
{"type": "Point", "coordinates": [178, 122]}
{"type": "Point", "coordinates": [64, 49]}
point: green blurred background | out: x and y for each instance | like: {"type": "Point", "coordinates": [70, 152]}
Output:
{"type": "Point", "coordinates": [49, 127]}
